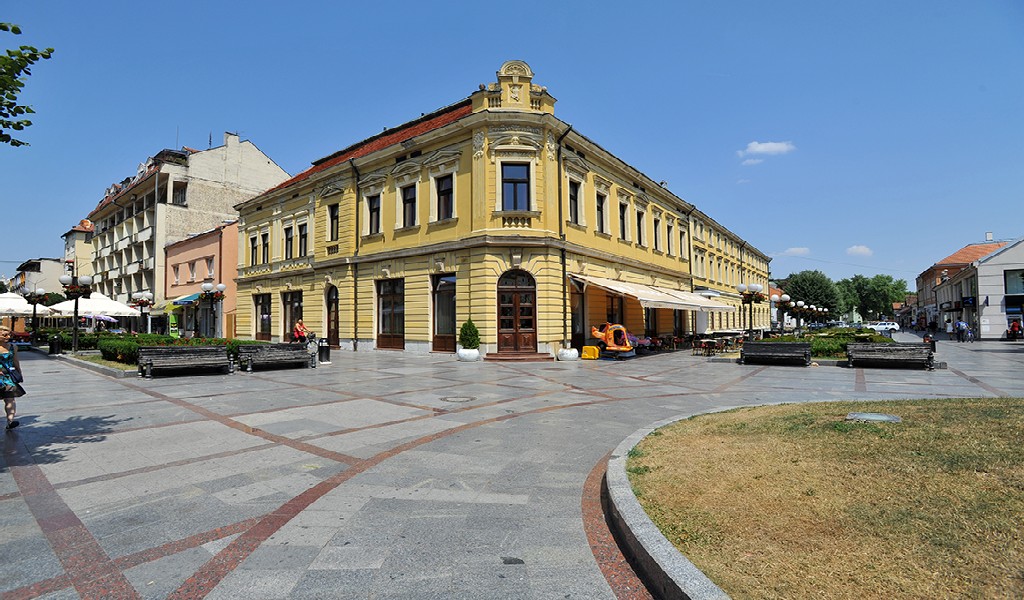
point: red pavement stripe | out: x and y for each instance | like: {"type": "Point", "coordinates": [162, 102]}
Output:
{"type": "Point", "coordinates": [616, 569]}
{"type": "Point", "coordinates": [88, 567]}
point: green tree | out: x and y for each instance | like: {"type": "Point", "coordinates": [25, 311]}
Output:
{"type": "Point", "coordinates": [813, 287]}
{"type": "Point", "coordinates": [15, 67]}
{"type": "Point", "coordinates": [873, 296]}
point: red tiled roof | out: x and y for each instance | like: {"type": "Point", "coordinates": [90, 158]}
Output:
{"type": "Point", "coordinates": [971, 253]}
{"type": "Point", "coordinates": [108, 199]}
{"type": "Point", "coordinates": [439, 119]}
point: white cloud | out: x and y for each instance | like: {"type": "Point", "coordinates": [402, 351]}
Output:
{"type": "Point", "coordinates": [859, 250]}
{"type": "Point", "coordinates": [767, 148]}
{"type": "Point", "coordinates": [795, 252]}
{"type": "Point", "coordinates": [742, 181]}
{"type": "Point", "coordinates": [752, 161]}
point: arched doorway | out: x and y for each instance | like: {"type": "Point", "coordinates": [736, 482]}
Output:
{"type": "Point", "coordinates": [517, 313]}
{"type": "Point", "coordinates": [332, 316]}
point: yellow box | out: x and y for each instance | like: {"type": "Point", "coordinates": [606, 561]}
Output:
{"type": "Point", "coordinates": [591, 353]}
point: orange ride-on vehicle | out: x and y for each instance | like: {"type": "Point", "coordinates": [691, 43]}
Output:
{"type": "Point", "coordinates": [611, 338]}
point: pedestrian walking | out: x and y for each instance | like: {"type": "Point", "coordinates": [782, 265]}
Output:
{"type": "Point", "coordinates": [961, 330]}
{"type": "Point", "coordinates": [1014, 330]}
{"type": "Point", "coordinates": [949, 329]}
{"type": "Point", "coordinates": [10, 376]}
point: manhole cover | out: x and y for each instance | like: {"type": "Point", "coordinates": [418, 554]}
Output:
{"type": "Point", "coordinates": [859, 416]}
{"type": "Point", "coordinates": [457, 398]}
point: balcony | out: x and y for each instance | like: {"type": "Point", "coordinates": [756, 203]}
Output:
{"type": "Point", "coordinates": [145, 235]}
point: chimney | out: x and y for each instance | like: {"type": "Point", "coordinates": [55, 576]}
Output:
{"type": "Point", "coordinates": [230, 139]}
{"type": "Point", "coordinates": [988, 236]}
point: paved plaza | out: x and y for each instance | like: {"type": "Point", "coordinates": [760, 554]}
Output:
{"type": "Point", "coordinates": [382, 475]}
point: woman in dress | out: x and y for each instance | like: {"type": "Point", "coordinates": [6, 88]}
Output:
{"type": "Point", "coordinates": [10, 390]}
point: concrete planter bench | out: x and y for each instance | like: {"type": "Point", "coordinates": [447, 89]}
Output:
{"type": "Point", "coordinates": [273, 355]}
{"type": "Point", "coordinates": [896, 355]}
{"type": "Point", "coordinates": [776, 352]}
{"type": "Point", "coordinates": [182, 359]}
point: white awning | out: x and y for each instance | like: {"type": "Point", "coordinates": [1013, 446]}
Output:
{"type": "Point", "coordinates": [649, 296]}
{"type": "Point", "coordinates": [706, 304]}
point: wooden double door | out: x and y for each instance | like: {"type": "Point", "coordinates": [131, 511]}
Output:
{"type": "Point", "coordinates": [517, 313]}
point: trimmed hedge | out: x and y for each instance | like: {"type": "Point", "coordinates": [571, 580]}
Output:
{"type": "Point", "coordinates": [834, 343]}
{"type": "Point", "coordinates": [125, 348]}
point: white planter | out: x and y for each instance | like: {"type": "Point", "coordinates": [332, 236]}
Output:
{"type": "Point", "coordinates": [568, 354]}
{"type": "Point", "coordinates": [468, 354]}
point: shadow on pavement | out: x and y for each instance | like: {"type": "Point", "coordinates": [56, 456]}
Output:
{"type": "Point", "coordinates": [48, 442]}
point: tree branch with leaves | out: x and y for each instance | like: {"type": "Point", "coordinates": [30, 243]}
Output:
{"type": "Point", "coordinates": [15, 67]}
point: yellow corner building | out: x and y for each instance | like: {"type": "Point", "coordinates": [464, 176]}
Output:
{"type": "Point", "coordinates": [490, 209]}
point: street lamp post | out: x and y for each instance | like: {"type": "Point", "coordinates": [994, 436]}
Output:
{"type": "Point", "coordinates": [751, 295]}
{"type": "Point", "coordinates": [34, 298]}
{"type": "Point", "coordinates": [144, 300]}
{"type": "Point", "coordinates": [76, 287]}
{"type": "Point", "coordinates": [214, 294]}
{"type": "Point", "coordinates": [782, 304]}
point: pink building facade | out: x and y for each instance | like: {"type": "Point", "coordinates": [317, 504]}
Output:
{"type": "Point", "coordinates": [210, 258]}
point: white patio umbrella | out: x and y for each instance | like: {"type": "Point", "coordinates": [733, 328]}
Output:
{"type": "Point", "coordinates": [14, 305]}
{"type": "Point", "coordinates": [96, 304]}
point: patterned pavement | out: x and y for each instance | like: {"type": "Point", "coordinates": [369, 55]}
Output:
{"type": "Point", "coordinates": [382, 475]}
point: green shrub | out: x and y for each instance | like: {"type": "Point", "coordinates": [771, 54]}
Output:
{"type": "Point", "coordinates": [469, 335]}
{"type": "Point", "coordinates": [120, 350]}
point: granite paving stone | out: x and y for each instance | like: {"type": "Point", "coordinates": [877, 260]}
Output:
{"type": "Point", "coordinates": [465, 480]}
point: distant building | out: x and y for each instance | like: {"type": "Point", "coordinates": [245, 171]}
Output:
{"type": "Point", "coordinates": [932, 308]}
{"type": "Point", "coordinates": [209, 257]}
{"type": "Point", "coordinates": [172, 196]}
{"type": "Point", "coordinates": [78, 249]}
{"type": "Point", "coordinates": [988, 293]}
{"type": "Point", "coordinates": [39, 273]}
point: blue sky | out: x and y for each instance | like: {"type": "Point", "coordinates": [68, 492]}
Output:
{"type": "Point", "coordinates": [858, 137]}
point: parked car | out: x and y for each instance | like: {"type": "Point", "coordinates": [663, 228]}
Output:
{"type": "Point", "coordinates": [883, 326]}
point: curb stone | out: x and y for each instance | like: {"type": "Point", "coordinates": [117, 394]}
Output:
{"type": "Point", "coordinates": [662, 566]}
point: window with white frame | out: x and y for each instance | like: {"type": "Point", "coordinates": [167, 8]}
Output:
{"type": "Point", "coordinates": [669, 231]}
{"type": "Point", "coordinates": [640, 214]}
{"type": "Point", "coordinates": [444, 193]}
{"type": "Point", "coordinates": [209, 267]}
{"type": "Point", "coordinates": [442, 166]}
{"type": "Point", "coordinates": [657, 233]}
{"type": "Point", "coordinates": [192, 271]}
{"type": "Point", "coordinates": [373, 214]}
{"type": "Point", "coordinates": [601, 205]}
{"type": "Point", "coordinates": [175, 268]}
{"type": "Point", "coordinates": [253, 251]}
{"type": "Point", "coordinates": [303, 239]}
{"type": "Point", "coordinates": [408, 199]}
{"type": "Point", "coordinates": [624, 221]}
{"type": "Point", "coordinates": [574, 202]}
{"type": "Point", "coordinates": [333, 222]}
{"type": "Point", "coordinates": [289, 243]}
{"type": "Point", "coordinates": [515, 186]}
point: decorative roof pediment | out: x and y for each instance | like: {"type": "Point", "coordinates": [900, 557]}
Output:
{"type": "Point", "coordinates": [602, 184]}
{"type": "Point", "coordinates": [575, 165]}
{"type": "Point", "coordinates": [443, 161]}
{"type": "Point", "coordinates": [373, 183]}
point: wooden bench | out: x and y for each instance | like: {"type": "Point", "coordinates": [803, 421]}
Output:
{"type": "Point", "coordinates": [262, 355]}
{"type": "Point", "coordinates": [182, 358]}
{"type": "Point", "coordinates": [776, 351]}
{"type": "Point", "coordinates": [891, 354]}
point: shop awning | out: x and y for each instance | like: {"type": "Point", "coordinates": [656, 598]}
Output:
{"type": "Point", "coordinates": [649, 296]}
{"type": "Point", "coordinates": [186, 299]}
{"type": "Point", "coordinates": [704, 303]}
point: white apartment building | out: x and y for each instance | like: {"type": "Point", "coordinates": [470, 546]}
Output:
{"type": "Point", "coordinates": [173, 195]}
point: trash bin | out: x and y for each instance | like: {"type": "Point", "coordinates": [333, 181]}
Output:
{"type": "Point", "coordinates": [324, 350]}
{"type": "Point", "coordinates": [55, 344]}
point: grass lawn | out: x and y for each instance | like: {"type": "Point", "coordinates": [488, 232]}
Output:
{"type": "Point", "coordinates": [99, 360]}
{"type": "Point", "coordinates": [793, 501]}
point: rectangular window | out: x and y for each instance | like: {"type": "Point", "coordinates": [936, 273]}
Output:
{"type": "Point", "coordinates": [288, 243]}
{"type": "Point", "coordinates": [445, 199]}
{"type": "Point", "coordinates": [668, 239]}
{"type": "Point", "coordinates": [640, 227]}
{"type": "Point", "coordinates": [332, 222]}
{"type": "Point", "coordinates": [600, 201]}
{"type": "Point", "coordinates": [409, 206]}
{"type": "Point", "coordinates": [209, 268]}
{"type": "Point", "coordinates": [623, 221]}
{"type": "Point", "coordinates": [253, 251]}
{"type": "Point", "coordinates": [574, 202]}
{"type": "Point", "coordinates": [303, 240]}
{"type": "Point", "coordinates": [175, 267]}
{"type": "Point", "coordinates": [373, 208]}
{"type": "Point", "coordinates": [515, 186]}
{"type": "Point", "coordinates": [261, 306]}
{"type": "Point", "coordinates": [192, 271]}
{"type": "Point", "coordinates": [265, 251]}
{"type": "Point", "coordinates": [657, 234]}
